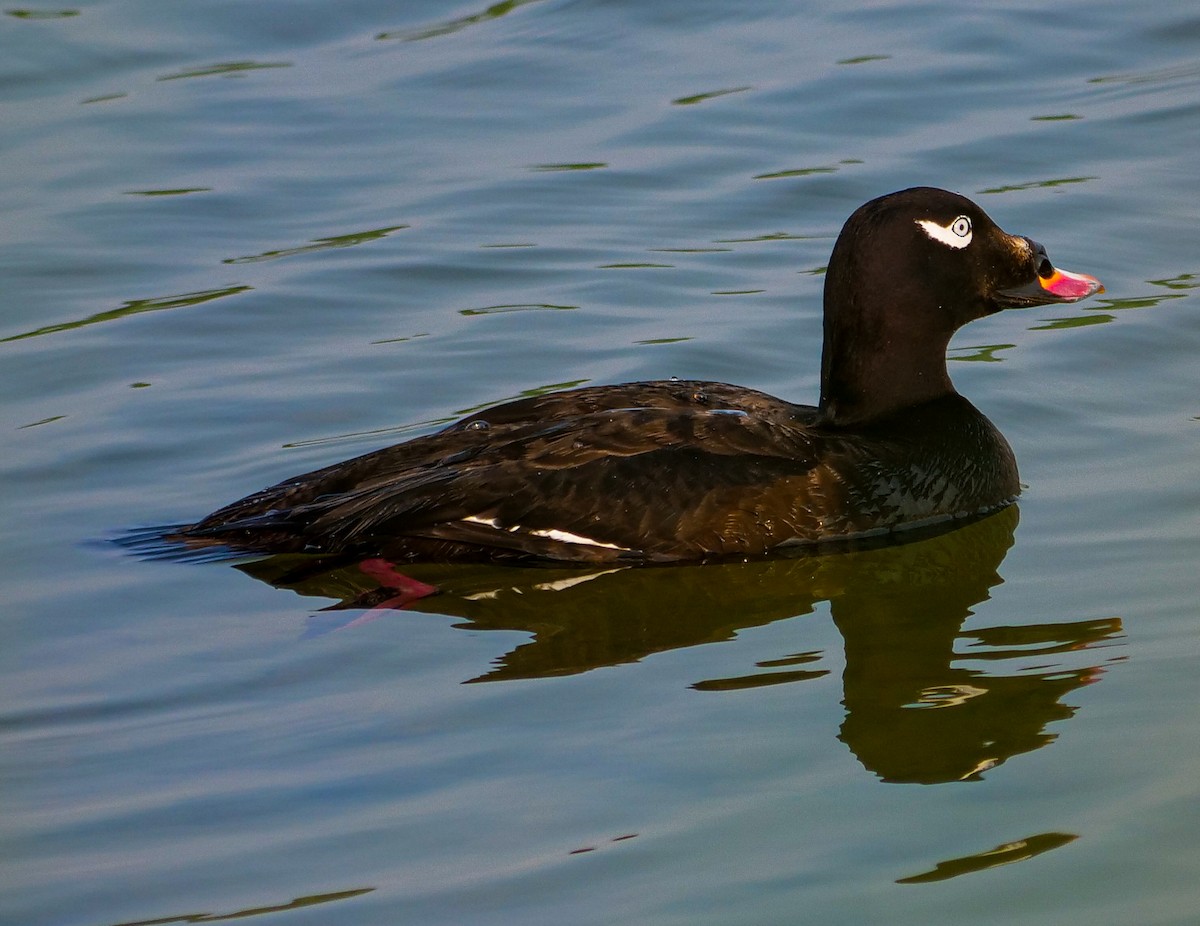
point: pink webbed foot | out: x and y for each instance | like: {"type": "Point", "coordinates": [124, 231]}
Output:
{"type": "Point", "coordinates": [396, 591]}
{"type": "Point", "coordinates": [407, 588]}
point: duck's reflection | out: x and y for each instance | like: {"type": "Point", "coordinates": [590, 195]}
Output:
{"type": "Point", "coordinates": [926, 701]}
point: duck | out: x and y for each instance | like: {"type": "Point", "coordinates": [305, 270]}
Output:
{"type": "Point", "coordinates": [678, 471]}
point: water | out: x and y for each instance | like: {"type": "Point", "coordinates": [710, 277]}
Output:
{"type": "Point", "coordinates": [240, 241]}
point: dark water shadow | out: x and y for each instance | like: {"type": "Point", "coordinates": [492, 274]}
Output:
{"type": "Point", "coordinates": [925, 699]}
{"type": "Point", "coordinates": [1019, 850]}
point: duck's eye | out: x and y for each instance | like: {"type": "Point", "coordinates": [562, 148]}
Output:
{"type": "Point", "coordinates": [956, 235]}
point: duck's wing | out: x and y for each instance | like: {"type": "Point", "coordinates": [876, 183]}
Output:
{"type": "Point", "coordinates": [508, 424]}
{"type": "Point", "coordinates": [635, 483]}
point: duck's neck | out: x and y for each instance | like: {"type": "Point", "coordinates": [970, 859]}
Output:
{"type": "Point", "coordinates": [870, 370]}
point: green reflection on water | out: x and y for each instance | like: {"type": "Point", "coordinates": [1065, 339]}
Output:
{"type": "Point", "coordinates": [711, 95]}
{"type": "Point", "coordinates": [796, 172]}
{"type": "Point", "coordinates": [299, 902]}
{"type": "Point", "coordinates": [693, 250]}
{"type": "Point", "coordinates": [401, 340]}
{"type": "Point", "coordinates": [1161, 75]}
{"type": "Point", "coordinates": [42, 14]}
{"type": "Point", "coordinates": [495, 11]}
{"type": "Point", "coordinates": [570, 165]}
{"type": "Point", "coordinates": [34, 424]}
{"type": "Point", "coordinates": [319, 244]}
{"type": "Point", "coordinates": [180, 191]}
{"type": "Point", "coordinates": [863, 59]}
{"type": "Point", "coordinates": [1140, 302]}
{"type": "Point", "coordinates": [984, 353]}
{"type": "Point", "coordinates": [1036, 184]}
{"type": "Point", "coordinates": [134, 307]}
{"type": "Point", "coordinates": [1132, 302]}
{"type": "Point", "coordinates": [1183, 281]}
{"type": "Point", "coordinates": [772, 236]}
{"type": "Point", "coordinates": [227, 69]}
{"type": "Point", "coordinates": [515, 307]}
{"type": "Point", "coordinates": [1074, 321]}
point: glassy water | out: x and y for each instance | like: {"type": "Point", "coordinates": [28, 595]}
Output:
{"type": "Point", "coordinates": [240, 241]}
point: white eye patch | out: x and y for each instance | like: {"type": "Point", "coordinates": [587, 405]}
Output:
{"type": "Point", "coordinates": [956, 235]}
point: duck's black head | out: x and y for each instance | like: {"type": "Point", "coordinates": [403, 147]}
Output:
{"type": "Point", "coordinates": [908, 270]}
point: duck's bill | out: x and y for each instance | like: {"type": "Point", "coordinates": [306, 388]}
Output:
{"type": "Point", "coordinates": [1058, 286]}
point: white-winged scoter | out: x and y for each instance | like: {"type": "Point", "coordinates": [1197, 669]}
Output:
{"type": "Point", "coordinates": [675, 471]}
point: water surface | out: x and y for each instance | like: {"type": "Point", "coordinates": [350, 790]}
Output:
{"type": "Point", "coordinates": [240, 241]}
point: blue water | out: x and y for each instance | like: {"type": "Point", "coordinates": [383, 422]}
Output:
{"type": "Point", "coordinates": [239, 241]}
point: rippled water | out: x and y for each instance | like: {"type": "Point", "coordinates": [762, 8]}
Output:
{"type": "Point", "coordinates": [239, 241]}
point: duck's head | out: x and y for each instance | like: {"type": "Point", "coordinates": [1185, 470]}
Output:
{"type": "Point", "coordinates": [907, 271]}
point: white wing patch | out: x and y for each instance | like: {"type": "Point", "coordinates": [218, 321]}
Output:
{"type": "Point", "coordinates": [956, 235]}
{"type": "Point", "coordinates": [551, 534]}
{"type": "Point", "coordinates": [568, 537]}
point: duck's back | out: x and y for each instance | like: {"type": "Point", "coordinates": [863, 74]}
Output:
{"type": "Point", "coordinates": [643, 472]}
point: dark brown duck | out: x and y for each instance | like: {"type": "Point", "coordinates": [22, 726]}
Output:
{"type": "Point", "coordinates": [677, 470]}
